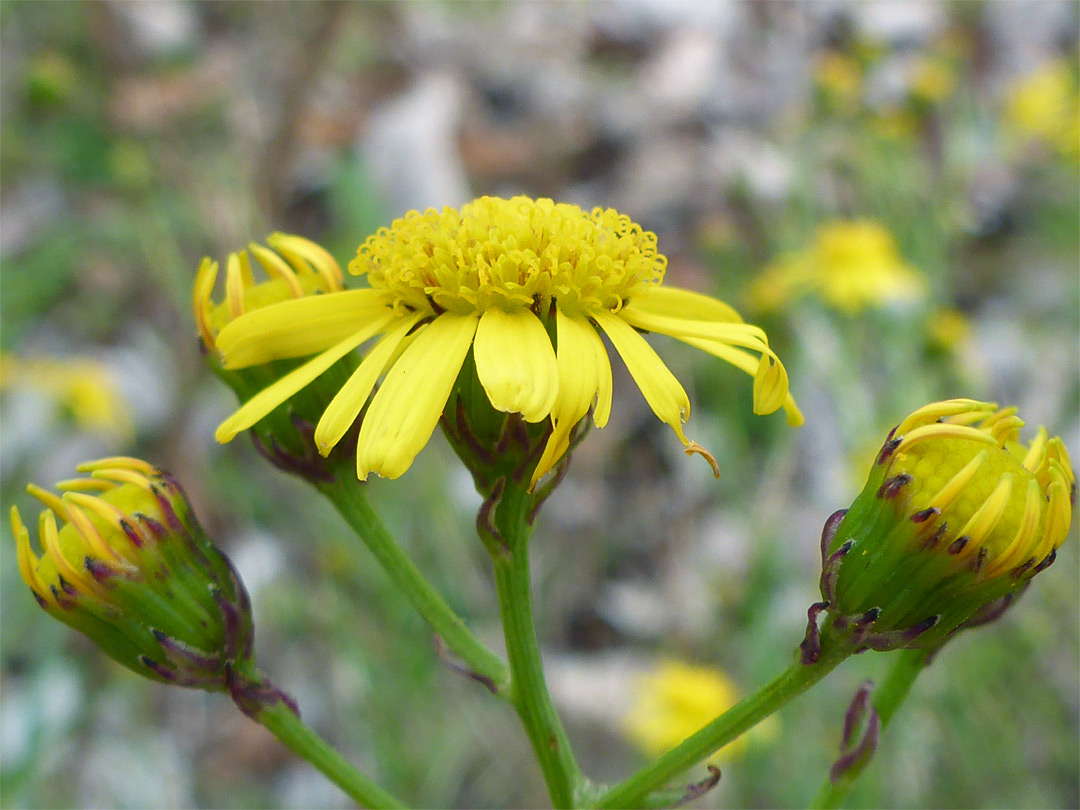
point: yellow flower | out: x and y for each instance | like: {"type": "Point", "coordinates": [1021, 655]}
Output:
{"type": "Point", "coordinates": [932, 80]}
{"type": "Point", "coordinates": [839, 78]}
{"type": "Point", "coordinates": [673, 702]}
{"type": "Point", "coordinates": [956, 514]}
{"type": "Point", "coordinates": [79, 385]}
{"type": "Point", "coordinates": [948, 329]}
{"type": "Point", "coordinates": [294, 268]}
{"type": "Point", "coordinates": [291, 268]}
{"type": "Point", "coordinates": [505, 279]}
{"type": "Point", "coordinates": [1045, 106]}
{"type": "Point", "coordinates": [852, 265]}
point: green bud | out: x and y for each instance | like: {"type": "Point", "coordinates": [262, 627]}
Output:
{"type": "Point", "coordinates": [956, 517]}
{"type": "Point", "coordinates": [126, 563]}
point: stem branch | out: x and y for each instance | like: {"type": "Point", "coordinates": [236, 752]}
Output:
{"type": "Point", "coordinates": [264, 703]}
{"type": "Point", "coordinates": [740, 718]}
{"type": "Point", "coordinates": [352, 504]}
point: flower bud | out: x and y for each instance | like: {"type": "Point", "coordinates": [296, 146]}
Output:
{"type": "Point", "coordinates": [294, 268]}
{"type": "Point", "coordinates": [126, 563]}
{"type": "Point", "coordinates": [955, 515]}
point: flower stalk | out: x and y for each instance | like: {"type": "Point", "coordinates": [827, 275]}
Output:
{"type": "Point", "coordinates": [886, 700]}
{"type": "Point", "coordinates": [256, 697]}
{"type": "Point", "coordinates": [740, 718]}
{"type": "Point", "coordinates": [506, 533]}
{"type": "Point", "coordinates": [485, 666]}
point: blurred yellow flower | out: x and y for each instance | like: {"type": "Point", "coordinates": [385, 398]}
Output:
{"type": "Point", "coordinates": [851, 265]}
{"type": "Point", "coordinates": [839, 79]}
{"type": "Point", "coordinates": [79, 386]}
{"type": "Point", "coordinates": [948, 329]}
{"type": "Point", "coordinates": [1044, 106]}
{"type": "Point", "coordinates": [674, 701]}
{"type": "Point", "coordinates": [895, 124]}
{"type": "Point", "coordinates": [932, 80]}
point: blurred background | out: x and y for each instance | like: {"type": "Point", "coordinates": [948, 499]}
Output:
{"type": "Point", "coordinates": [890, 189]}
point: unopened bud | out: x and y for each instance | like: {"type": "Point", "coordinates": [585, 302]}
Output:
{"type": "Point", "coordinates": [956, 517]}
{"type": "Point", "coordinates": [126, 563]}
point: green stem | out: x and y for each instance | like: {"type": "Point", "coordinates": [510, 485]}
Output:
{"type": "Point", "coordinates": [886, 700]}
{"type": "Point", "coordinates": [529, 690]}
{"type": "Point", "coordinates": [484, 665]}
{"type": "Point", "coordinates": [740, 718]}
{"type": "Point", "coordinates": [267, 705]}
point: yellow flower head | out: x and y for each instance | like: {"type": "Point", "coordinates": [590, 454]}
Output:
{"type": "Point", "coordinates": [948, 329]}
{"type": "Point", "coordinates": [80, 386]}
{"type": "Point", "coordinates": [956, 514]}
{"type": "Point", "coordinates": [527, 286]}
{"type": "Point", "coordinates": [852, 265]}
{"type": "Point", "coordinates": [1045, 106]}
{"type": "Point", "coordinates": [129, 566]}
{"type": "Point", "coordinates": [674, 701]}
{"type": "Point", "coordinates": [294, 268]}
{"type": "Point", "coordinates": [932, 80]}
{"type": "Point", "coordinates": [839, 78]}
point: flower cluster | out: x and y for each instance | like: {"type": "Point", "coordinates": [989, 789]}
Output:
{"type": "Point", "coordinates": [522, 287]}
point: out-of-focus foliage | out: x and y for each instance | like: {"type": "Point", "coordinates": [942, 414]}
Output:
{"type": "Point", "coordinates": [138, 137]}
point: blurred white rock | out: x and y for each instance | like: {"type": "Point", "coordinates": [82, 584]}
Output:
{"type": "Point", "coordinates": [410, 147]}
{"type": "Point", "coordinates": [157, 28]}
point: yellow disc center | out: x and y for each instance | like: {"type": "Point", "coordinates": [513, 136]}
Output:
{"type": "Point", "coordinates": [513, 254]}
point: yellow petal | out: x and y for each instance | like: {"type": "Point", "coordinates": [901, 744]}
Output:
{"type": "Point", "coordinates": [744, 361]}
{"type": "Point", "coordinates": [406, 408]}
{"type": "Point", "coordinates": [234, 286]}
{"type": "Point", "coordinates": [297, 327]}
{"type": "Point", "coordinates": [277, 267]}
{"type": "Point", "coordinates": [584, 371]}
{"type": "Point", "coordinates": [269, 398]}
{"type": "Point", "coordinates": [201, 299]}
{"type": "Point", "coordinates": [27, 560]}
{"type": "Point", "coordinates": [303, 252]}
{"type": "Point", "coordinates": [673, 302]}
{"type": "Point", "coordinates": [770, 385]}
{"type": "Point", "coordinates": [736, 334]}
{"type": "Point", "coordinates": [347, 403]}
{"type": "Point", "coordinates": [662, 391]}
{"type": "Point", "coordinates": [516, 363]}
